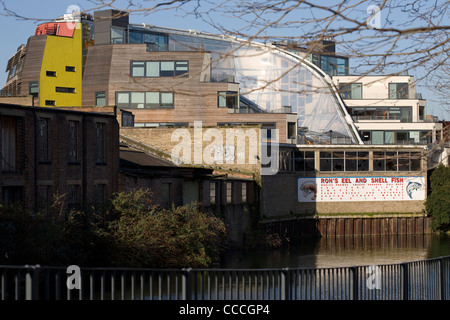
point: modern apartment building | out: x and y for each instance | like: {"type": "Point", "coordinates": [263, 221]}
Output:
{"type": "Point", "coordinates": [170, 77]}
{"type": "Point", "coordinates": [388, 110]}
{"type": "Point", "coordinates": [50, 66]}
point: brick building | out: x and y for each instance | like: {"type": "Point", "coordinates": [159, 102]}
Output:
{"type": "Point", "coordinates": [48, 151]}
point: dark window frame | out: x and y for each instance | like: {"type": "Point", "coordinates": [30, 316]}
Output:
{"type": "Point", "coordinates": [73, 141]}
{"type": "Point", "coordinates": [100, 143]}
{"type": "Point", "coordinates": [43, 131]}
{"type": "Point", "coordinates": [147, 105]}
{"type": "Point", "coordinates": [175, 73]}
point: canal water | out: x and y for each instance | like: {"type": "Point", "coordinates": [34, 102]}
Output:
{"type": "Point", "coordinates": [342, 252]}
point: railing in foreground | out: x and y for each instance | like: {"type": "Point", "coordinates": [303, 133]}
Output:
{"type": "Point", "coordinates": [418, 280]}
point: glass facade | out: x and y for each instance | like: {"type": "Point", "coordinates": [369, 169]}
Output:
{"type": "Point", "coordinates": [271, 79]}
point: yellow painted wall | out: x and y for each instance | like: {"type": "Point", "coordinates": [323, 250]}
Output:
{"type": "Point", "coordinates": [60, 52]}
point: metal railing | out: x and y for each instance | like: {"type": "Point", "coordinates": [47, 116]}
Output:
{"type": "Point", "coordinates": [418, 280]}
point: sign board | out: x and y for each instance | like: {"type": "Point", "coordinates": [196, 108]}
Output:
{"type": "Point", "coordinates": [337, 189]}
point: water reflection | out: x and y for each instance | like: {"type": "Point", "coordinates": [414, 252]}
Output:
{"type": "Point", "coordinates": [342, 252]}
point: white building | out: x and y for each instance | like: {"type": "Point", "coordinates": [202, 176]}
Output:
{"type": "Point", "coordinates": [387, 109]}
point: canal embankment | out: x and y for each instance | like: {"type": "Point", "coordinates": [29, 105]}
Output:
{"type": "Point", "coordinates": [329, 225]}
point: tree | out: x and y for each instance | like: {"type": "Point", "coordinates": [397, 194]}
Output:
{"type": "Point", "coordinates": [141, 234]}
{"type": "Point", "coordinates": [438, 202]}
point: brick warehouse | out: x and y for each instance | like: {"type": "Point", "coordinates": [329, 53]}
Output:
{"type": "Point", "coordinates": [48, 151]}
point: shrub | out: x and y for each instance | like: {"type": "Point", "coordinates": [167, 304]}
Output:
{"type": "Point", "coordinates": [143, 235]}
{"type": "Point", "coordinates": [438, 202]}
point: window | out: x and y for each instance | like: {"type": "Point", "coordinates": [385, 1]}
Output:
{"type": "Point", "coordinates": [391, 161]}
{"type": "Point", "coordinates": [141, 100]}
{"type": "Point", "coordinates": [227, 99]}
{"type": "Point", "coordinates": [365, 136]}
{"type": "Point", "coordinates": [137, 68]}
{"type": "Point", "coordinates": [244, 192]}
{"type": "Point", "coordinates": [70, 69]}
{"type": "Point", "coordinates": [389, 137]}
{"type": "Point", "coordinates": [9, 130]}
{"type": "Point", "coordinates": [344, 161]}
{"type": "Point", "coordinates": [12, 194]}
{"type": "Point", "coordinates": [396, 161]}
{"type": "Point", "coordinates": [117, 35]}
{"type": "Point", "coordinates": [34, 88]}
{"type": "Point", "coordinates": [325, 161]}
{"type": "Point", "coordinates": [304, 161]}
{"type": "Point", "coordinates": [292, 134]}
{"type": "Point", "coordinates": [401, 137]}
{"type": "Point", "coordinates": [42, 140]}
{"type": "Point", "coordinates": [229, 192]}
{"type": "Point", "coordinates": [377, 137]}
{"type": "Point", "coordinates": [73, 196]}
{"type": "Point", "coordinates": [43, 197]}
{"type": "Point", "coordinates": [379, 161]}
{"type": "Point", "coordinates": [155, 69]}
{"type": "Point", "coordinates": [398, 91]}
{"type": "Point", "coordinates": [49, 102]}
{"type": "Point", "coordinates": [100, 193]}
{"type": "Point", "coordinates": [73, 141]}
{"type": "Point", "coordinates": [212, 192]}
{"type": "Point", "coordinates": [100, 143]}
{"type": "Point", "coordinates": [50, 73]}
{"type": "Point", "coordinates": [363, 161]}
{"type": "Point", "coordinates": [166, 194]}
{"type": "Point", "coordinates": [65, 89]}
{"type": "Point", "coordinates": [421, 113]}
{"type": "Point", "coordinates": [350, 91]}
{"type": "Point", "coordinates": [100, 99]}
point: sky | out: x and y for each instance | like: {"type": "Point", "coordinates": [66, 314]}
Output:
{"type": "Point", "coordinates": [15, 31]}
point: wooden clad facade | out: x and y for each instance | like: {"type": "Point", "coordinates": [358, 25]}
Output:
{"type": "Point", "coordinates": [108, 69]}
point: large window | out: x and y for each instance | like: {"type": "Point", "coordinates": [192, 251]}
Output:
{"type": "Point", "coordinates": [350, 91]}
{"type": "Point", "coordinates": [396, 161]}
{"type": "Point", "coordinates": [155, 69]}
{"type": "Point", "coordinates": [145, 100]}
{"type": "Point", "coordinates": [344, 161]}
{"type": "Point", "coordinates": [404, 114]}
{"type": "Point", "coordinates": [398, 91]}
{"type": "Point", "coordinates": [396, 137]}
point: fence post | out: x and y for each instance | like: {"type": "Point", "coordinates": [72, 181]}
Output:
{"type": "Point", "coordinates": [441, 279]}
{"type": "Point", "coordinates": [32, 282]}
{"type": "Point", "coordinates": [285, 284]}
{"type": "Point", "coordinates": [186, 284]}
{"type": "Point", "coordinates": [354, 286]}
{"type": "Point", "coordinates": [405, 281]}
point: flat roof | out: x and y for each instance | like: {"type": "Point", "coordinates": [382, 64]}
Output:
{"type": "Point", "coordinates": [51, 109]}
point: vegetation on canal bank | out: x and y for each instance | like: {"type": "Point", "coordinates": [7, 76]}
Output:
{"type": "Point", "coordinates": [438, 201]}
{"type": "Point", "coordinates": [129, 232]}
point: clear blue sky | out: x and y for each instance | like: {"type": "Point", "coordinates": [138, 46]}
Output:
{"type": "Point", "coordinates": [15, 31]}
